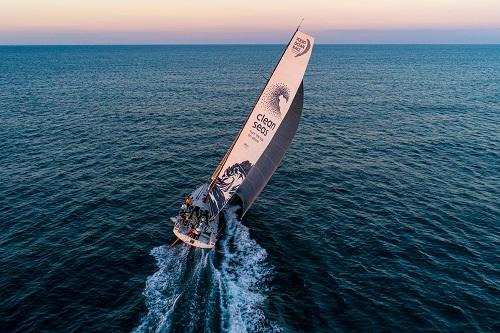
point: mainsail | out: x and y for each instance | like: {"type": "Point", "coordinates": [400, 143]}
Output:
{"type": "Point", "coordinates": [260, 145]}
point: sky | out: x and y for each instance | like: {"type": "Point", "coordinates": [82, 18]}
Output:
{"type": "Point", "coordinates": [255, 21]}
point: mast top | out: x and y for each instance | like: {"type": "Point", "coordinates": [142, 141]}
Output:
{"type": "Point", "coordinates": [298, 27]}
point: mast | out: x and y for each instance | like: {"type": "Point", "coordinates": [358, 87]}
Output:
{"type": "Point", "coordinates": [216, 172]}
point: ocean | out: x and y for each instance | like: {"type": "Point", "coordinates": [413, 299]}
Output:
{"type": "Point", "coordinates": [384, 215]}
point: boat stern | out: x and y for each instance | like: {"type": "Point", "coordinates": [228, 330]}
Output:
{"type": "Point", "coordinates": [179, 232]}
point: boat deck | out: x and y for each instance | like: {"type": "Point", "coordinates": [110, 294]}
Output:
{"type": "Point", "coordinates": [191, 229]}
{"type": "Point", "coordinates": [206, 238]}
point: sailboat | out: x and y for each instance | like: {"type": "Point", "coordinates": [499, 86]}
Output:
{"type": "Point", "coordinates": [256, 151]}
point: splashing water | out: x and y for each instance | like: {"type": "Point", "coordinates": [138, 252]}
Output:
{"type": "Point", "coordinates": [195, 290]}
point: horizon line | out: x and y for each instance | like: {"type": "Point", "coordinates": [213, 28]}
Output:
{"type": "Point", "coordinates": [242, 44]}
{"type": "Point", "coordinates": [385, 36]}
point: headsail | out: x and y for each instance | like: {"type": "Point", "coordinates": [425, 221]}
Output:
{"type": "Point", "coordinates": [250, 148]}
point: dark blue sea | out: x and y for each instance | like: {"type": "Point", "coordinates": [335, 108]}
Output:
{"type": "Point", "coordinates": [384, 215]}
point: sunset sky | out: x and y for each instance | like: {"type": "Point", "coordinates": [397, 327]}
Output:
{"type": "Point", "coordinates": [257, 21]}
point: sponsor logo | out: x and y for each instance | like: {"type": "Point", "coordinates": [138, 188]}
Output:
{"type": "Point", "coordinates": [301, 46]}
{"type": "Point", "coordinates": [263, 124]}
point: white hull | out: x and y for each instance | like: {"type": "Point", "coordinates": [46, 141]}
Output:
{"type": "Point", "coordinates": [193, 242]}
{"type": "Point", "coordinates": [205, 239]}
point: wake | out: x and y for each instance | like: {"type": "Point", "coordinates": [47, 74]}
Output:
{"type": "Point", "coordinates": [209, 290]}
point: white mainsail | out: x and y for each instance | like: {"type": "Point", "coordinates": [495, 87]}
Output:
{"type": "Point", "coordinates": [262, 125]}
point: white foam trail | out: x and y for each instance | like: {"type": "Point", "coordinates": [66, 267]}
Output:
{"type": "Point", "coordinates": [162, 288]}
{"type": "Point", "coordinates": [243, 279]}
{"type": "Point", "coordinates": [236, 291]}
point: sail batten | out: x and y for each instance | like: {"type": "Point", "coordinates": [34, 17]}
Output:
{"type": "Point", "coordinates": [267, 132]}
